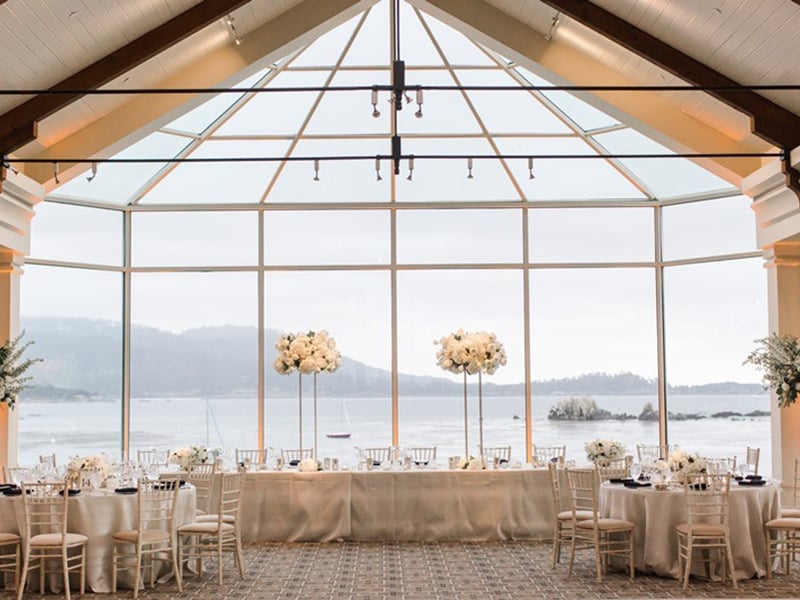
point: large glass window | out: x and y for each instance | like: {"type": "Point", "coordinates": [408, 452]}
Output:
{"type": "Point", "coordinates": [194, 360]}
{"type": "Point", "coordinates": [431, 305]}
{"type": "Point", "coordinates": [354, 308]}
{"type": "Point", "coordinates": [68, 233]}
{"type": "Point", "coordinates": [74, 318]}
{"type": "Point", "coordinates": [593, 346]}
{"type": "Point", "coordinates": [713, 312]}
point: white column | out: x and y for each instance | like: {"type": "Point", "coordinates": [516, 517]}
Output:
{"type": "Point", "coordinates": [777, 212]}
{"type": "Point", "coordinates": [18, 196]}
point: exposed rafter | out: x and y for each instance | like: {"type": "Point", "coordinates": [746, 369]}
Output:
{"type": "Point", "coordinates": [18, 126]}
{"type": "Point", "coordinates": [769, 121]}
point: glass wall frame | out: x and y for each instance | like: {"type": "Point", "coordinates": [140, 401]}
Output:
{"type": "Point", "coordinates": [526, 265]}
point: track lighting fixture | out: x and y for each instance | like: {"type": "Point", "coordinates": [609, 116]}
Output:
{"type": "Point", "coordinates": [410, 167]}
{"type": "Point", "coordinates": [375, 112]}
{"type": "Point", "coordinates": [530, 168]}
{"type": "Point", "coordinates": [55, 172]}
{"type": "Point", "coordinates": [316, 169]}
{"type": "Point", "coordinates": [91, 177]}
{"type": "Point", "coordinates": [378, 169]}
{"type": "Point", "coordinates": [469, 168]}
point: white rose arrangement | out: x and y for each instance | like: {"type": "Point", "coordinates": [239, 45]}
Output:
{"type": "Point", "coordinates": [312, 352]}
{"type": "Point", "coordinates": [309, 465]}
{"type": "Point", "coordinates": [91, 462]}
{"type": "Point", "coordinates": [681, 463]}
{"type": "Point", "coordinates": [604, 449]}
{"type": "Point", "coordinates": [189, 455]}
{"type": "Point", "coordinates": [477, 352]}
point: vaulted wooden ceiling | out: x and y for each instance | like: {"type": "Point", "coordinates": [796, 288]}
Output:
{"type": "Point", "coordinates": [135, 44]}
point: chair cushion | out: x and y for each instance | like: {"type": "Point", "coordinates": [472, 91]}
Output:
{"type": "Point", "coordinates": [566, 515]}
{"type": "Point", "coordinates": [9, 538]}
{"type": "Point", "coordinates": [149, 536]}
{"type": "Point", "coordinates": [208, 527]}
{"type": "Point", "coordinates": [213, 519]}
{"type": "Point", "coordinates": [790, 513]}
{"type": "Point", "coordinates": [784, 523]}
{"type": "Point", "coordinates": [605, 524]}
{"type": "Point", "coordinates": [55, 539]}
{"type": "Point", "coordinates": [701, 529]}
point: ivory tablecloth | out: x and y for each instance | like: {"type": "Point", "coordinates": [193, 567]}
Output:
{"type": "Point", "coordinates": [376, 505]}
{"type": "Point", "coordinates": [656, 513]}
{"type": "Point", "coordinates": [97, 515]}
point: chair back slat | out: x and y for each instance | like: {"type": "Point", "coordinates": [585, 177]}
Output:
{"type": "Point", "coordinates": [652, 453]}
{"type": "Point", "coordinates": [255, 457]}
{"type": "Point", "coordinates": [543, 455]}
{"type": "Point", "coordinates": [293, 456]}
{"type": "Point", "coordinates": [201, 476]}
{"type": "Point", "coordinates": [153, 457]}
{"type": "Point", "coordinates": [378, 455]}
{"type": "Point", "coordinates": [583, 487]}
{"type": "Point", "coordinates": [423, 455]}
{"type": "Point", "coordinates": [618, 468]}
{"type": "Point", "coordinates": [45, 507]}
{"type": "Point", "coordinates": [157, 499]}
{"type": "Point", "coordinates": [751, 459]}
{"type": "Point", "coordinates": [502, 453]}
{"type": "Point", "coordinates": [707, 498]}
{"type": "Point", "coordinates": [229, 496]}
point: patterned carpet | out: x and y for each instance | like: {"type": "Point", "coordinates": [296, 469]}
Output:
{"type": "Point", "coordinates": [466, 571]}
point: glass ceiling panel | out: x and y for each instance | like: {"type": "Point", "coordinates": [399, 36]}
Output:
{"type": "Point", "coordinates": [509, 111]}
{"type": "Point", "coordinates": [276, 113]}
{"type": "Point", "coordinates": [346, 113]}
{"type": "Point", "coordinates": [339, 180]}
{"type": "Point", "coordinates": [667, 177]}
{"type": "Point", "coordinates": [566, 179]}
{"type": "Point", "coordinates": [458, 50]}
{"type": "Point", "coordinates": [446, 180]}
{"type": "Point", "coordinates": [371, 46]}
{"type": "Point", "coordinates": [443, 112]}
{"type": "Point", "coordinates": [583, 114]}
{"type": "Point", "coordinates": [198, 119]}
{"type": "Point", "coordinates": [327, 48]}
{"type": "Point", "coordinates": [416, 47]}
{"type": "Point", "coordinates": [200, 183]}
{"type": "Point", "coordinates": [117, 182]}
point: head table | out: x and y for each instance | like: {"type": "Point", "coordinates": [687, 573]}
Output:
{"type": "Point", "coordinates": [397, 505]}
{"type": "Point", "coordinates": [655, 514]}
{"type": "Point", "coordinates": [96, 515]}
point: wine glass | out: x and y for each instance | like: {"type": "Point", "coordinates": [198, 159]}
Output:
{"type": "Point", "coordinates": [636, 471]}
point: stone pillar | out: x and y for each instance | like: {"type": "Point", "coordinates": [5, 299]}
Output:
{"type": "Point", "coordinates": [18, 196]}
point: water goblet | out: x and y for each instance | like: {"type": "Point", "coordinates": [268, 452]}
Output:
{"type": "Point", "coordinates": [636, 471]}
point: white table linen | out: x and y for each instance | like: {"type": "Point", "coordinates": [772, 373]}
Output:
{"type": "Point", "coordinates": [97, 516]}
{"type": "Point", "coordinates": [656, 513]}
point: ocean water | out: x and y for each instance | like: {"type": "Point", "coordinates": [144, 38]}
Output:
{"type": "Point", "coordinates": [69, 428]}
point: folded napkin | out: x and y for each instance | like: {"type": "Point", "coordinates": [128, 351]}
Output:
{"type": "Point", "coordinates": [126, 490]}
{"type": "Point", "coordinates": [12, 491]}
{"type": "Point", "coordinates": [636, 484]}
{"type": "Point", "coordinates": [70, 492]}
{"type": "Point", "coordinates": [752, 482]}
{"type": "Point", "coordinates": [620, 480]}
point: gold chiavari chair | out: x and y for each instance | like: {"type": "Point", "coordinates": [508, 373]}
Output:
{"type": "Point", "coordinates": [543, 455]}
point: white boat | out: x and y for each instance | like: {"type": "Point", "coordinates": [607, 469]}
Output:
{"type": "Point", "coordinates": [344, 431]}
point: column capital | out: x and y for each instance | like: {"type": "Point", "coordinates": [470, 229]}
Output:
{"type": "Point", "coordinates": [776, 206]}
{"type": "Point", "coordinates": [782, 254]}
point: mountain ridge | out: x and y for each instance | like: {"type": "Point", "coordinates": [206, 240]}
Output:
{"type": "Point", "coordinates": [82, 358]}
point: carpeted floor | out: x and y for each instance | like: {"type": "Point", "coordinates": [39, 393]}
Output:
{"type": "Point", "coordinates": [443, 570]}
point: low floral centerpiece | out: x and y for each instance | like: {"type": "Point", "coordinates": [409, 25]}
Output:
{"type": "Point", "coordinates": [12, 370]}
{"type": "Point", "coordinates": [309, 465]}
{"type": "Point", "coordinates": [779, 358]}
{"type": "Point", "coordinates": [90, 462]}
{"type": "Point", "coordinates": [604, 449]}
{"type": "Point", "coordinates": [472, 463]}
{"type": "Point", "coordinates": [189, 455]}
{"type": "Point", "coordinates": [683, 464]}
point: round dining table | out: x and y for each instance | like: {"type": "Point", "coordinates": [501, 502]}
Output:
{"type": "Point", "coordinates": [97, 515]}
{"type": "Point", "coordinates": [656, 513]}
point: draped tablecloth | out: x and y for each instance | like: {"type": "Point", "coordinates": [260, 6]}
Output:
{"type": "Point", "coordinates": [656, 513]}
{"type": "Point", "coordinates": [422, 505]}
{"type": "Point", "coordinates": [290, 506]}
{"type": "Point", "coordinates": [97, 515]}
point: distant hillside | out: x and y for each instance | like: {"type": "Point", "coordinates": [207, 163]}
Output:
{"type": "Point", "coordinates": [82, 358]}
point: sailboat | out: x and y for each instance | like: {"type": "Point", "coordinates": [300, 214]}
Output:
{"type": "Point", "coordinates": [344, 430]}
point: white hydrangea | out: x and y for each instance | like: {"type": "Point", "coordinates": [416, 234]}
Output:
{"type": "Point", "coordinates": [312, 352]}
{"type": "Point", "coordinates": [470, 352]}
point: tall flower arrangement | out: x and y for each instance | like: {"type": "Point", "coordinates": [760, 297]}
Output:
{"type": "Point", "coordinates": [307, 353]}
{"type": "Point", "coordinates": [682, 464]}
{"type": "Point", "coordinates": [189, 455]}
{"type": "Point", "coordinates": [12, 369]}
{"type": "Point", "coordinates": [469, 353]}
{"type": "Point", "coordinates": [779, 358]}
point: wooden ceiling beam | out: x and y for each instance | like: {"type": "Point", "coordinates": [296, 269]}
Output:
{"type": "Point", "coordinates": [769, 121]}
{"type": "Point", "coordinates": [15, 125]}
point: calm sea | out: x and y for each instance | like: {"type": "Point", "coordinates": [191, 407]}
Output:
{"type": "Point", "coordinates": [69, 428]}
